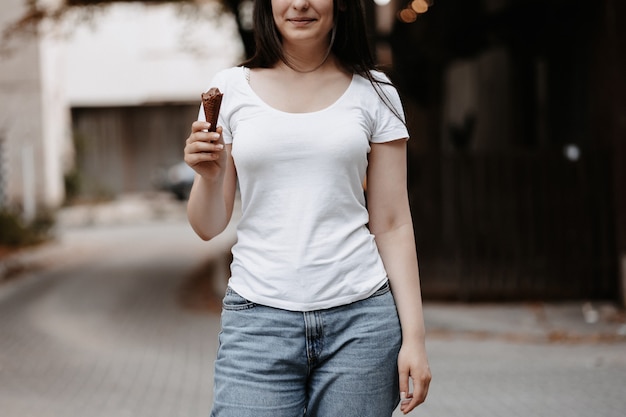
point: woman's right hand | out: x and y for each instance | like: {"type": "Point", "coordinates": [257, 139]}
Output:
{"type": "Point", "coordinates": [204, 151]}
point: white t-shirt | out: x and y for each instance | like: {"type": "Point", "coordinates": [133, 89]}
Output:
{"type": "Point", "coordinates": [302, 241]}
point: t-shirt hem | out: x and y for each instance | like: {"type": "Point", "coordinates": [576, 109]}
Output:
{"type": "Point", "coordinates": [397, 135]}
{"type": "Point", "coordinates": [303, 307]}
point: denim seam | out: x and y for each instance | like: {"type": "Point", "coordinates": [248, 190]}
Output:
{"type": "Point", "coordinates": [314, 336]}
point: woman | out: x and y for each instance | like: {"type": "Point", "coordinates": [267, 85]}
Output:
{"type": "Point", "coordinates": [309, 325]}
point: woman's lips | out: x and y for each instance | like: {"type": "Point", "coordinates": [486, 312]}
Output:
{"type": "Point", "coordinates": [301, 21]}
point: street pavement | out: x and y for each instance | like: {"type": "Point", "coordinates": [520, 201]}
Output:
{"type": "Point", "coordinates": [95, 324]}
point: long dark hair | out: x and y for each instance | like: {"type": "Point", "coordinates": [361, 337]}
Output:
{"type": "Point", "coordinates": [349, 42]}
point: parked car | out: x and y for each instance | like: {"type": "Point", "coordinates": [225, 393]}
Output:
{"type": "Point", "coordinates": [177, 179]}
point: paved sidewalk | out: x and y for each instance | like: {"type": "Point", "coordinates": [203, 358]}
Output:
{"type": "Point", "coordinates": [95, 328]}
{"type": "Point", "coordinates": [555, 322]}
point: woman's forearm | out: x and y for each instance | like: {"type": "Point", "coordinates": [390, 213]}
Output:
{"type": "Point", "coordinates": [210, 206]}
{"type": "Point", "coordinates": [398, 252]}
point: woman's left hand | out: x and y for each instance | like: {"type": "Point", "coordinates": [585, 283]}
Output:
{"type": "Point", "coordinates": [413, 364]}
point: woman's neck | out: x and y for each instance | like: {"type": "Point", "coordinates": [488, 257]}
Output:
{"type": "Point", "coordinates": [304, 68]}
{"type": "Point", "coordinates": [306, 60]}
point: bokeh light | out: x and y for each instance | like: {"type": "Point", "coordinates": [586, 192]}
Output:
{"type": "Point", "coordinates": [407, 15]}
{"type": "Point", "coordinates": [420, 6]}
{"type": "Point", "coordinates": [412, 11]}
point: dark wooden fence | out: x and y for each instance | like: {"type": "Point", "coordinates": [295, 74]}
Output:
{"type": "Point", "coordinates": [514, 225]}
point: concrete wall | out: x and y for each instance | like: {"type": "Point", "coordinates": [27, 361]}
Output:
{"type": "Point", "coordinates": [31, 130]}
{"type": "Point", "coordinates": [133, 54]}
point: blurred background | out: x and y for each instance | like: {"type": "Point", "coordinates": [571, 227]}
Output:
{"type": "Point", "coordinates": [109, 303]}
{"type": "Point", "coordinates": [516, 110]}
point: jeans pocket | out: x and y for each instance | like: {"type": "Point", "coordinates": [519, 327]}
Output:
{"type": "Point", "coordinates": [233, 301]}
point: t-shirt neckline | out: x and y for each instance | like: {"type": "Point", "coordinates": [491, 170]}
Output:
{"type": "Point", "coordinates": [246, 79]}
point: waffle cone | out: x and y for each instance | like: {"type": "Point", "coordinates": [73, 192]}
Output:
{"type": "Point", "coordinates": [211, 101]}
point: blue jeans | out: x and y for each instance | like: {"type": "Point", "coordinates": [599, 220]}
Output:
{"type": "Point", "coordinates": [339, 362]}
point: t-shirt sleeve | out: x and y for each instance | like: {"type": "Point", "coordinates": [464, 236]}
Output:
{"type": "Point", "coordinates": [388, 125]}
{"type": "Point", "coordinates": [219, 81]}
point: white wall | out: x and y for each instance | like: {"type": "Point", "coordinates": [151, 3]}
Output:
{"type": "Point", "coordinates": [135, 54]}
{"type": "Point", "coordinates": [21, 125]}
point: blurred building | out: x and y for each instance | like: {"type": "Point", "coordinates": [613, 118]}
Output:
{"type": "Point", "coordinates": [134, 79]}
{"type": "Point", "coordinates": [104, 97]}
